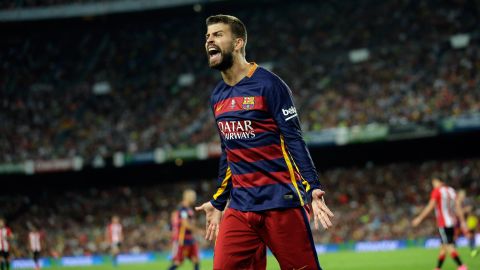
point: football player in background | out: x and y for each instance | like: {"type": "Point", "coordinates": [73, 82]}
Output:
{"type": "Point", "coordinates": [5, 237]}
{"type": "Point", "coordinates": [114, 236]}
{"type": "Point", "coordinates": [34, 240]}
{"type": "Point", "coordinates": [183, 225]}
{"type": "Point", "coordinates": [447, 209]}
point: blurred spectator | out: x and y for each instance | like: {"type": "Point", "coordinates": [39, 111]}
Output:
{"type": "Point", "coordinates": [49, 110]}
{"type": "Point", "coordinates": [370, 203]}
{"type": "Point", "coordinates": [15, 4]}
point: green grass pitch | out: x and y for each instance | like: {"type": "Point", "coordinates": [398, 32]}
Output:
{"type": "Point", "coordinates": [406, 259]}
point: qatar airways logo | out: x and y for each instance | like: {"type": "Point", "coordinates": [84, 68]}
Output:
{"type": "Point", "coordinates": [232, 130]}
{"type": "Point", "coordinates": [289, 113]}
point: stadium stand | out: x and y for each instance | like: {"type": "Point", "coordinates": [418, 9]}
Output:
{"type": "Point", "coordinates": [413, 75]}
{"type": "Point", "coordinates": [43, 3]}
{"type": "Point", "coordinates": [90, 91]}
{"type": "Point", "coordinates": [372, 203]}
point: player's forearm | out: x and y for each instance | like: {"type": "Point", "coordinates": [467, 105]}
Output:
{"type": "Point", "coordinates": [302, 160]}
{"type": "Point", "coordinates": [426, 211]}
{"type": "Point", "coordinates": [224, 185]}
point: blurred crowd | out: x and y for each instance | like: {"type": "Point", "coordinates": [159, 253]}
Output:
{"type": "Point", "coordinates": [378, 202]}
{"type": "Point", "coordinates": [157, 82]}
{"type": "Point", "coordinates": [15, 4]}
{"type": "Point", "coordinates": [74, 222]}
{"type": "Point", "coordinates": [373, 202]}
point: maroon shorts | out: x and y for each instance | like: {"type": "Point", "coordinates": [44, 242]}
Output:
{"type": "Point", "coordinates": [180, 252]}
{"type": "Point", "coordinates": [243, 236]}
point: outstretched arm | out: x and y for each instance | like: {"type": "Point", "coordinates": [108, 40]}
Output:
{"type": "Point", "coordinates": [430, 206]}
{"type": "Point", "coordinates": [213, 209]}
{"type": "Point", "coordinates": [461, 214]}
{"type": "Point", "coordinates": [295, 151]}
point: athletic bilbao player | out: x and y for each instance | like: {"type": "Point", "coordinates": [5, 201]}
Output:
{"type": "Point", "coordinates": [5, 236]}
{"type": "Point", "coordinates": [114, 235]}
{"type": "Point", "coordinates": [447, 209]}
{"type": "Point", "coordinates": [34, 239]}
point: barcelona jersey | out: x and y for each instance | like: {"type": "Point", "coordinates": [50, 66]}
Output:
{"type": "Point", "coordinates": [265, 163]}
{"type": "Point", "coordinates": [181, 234]}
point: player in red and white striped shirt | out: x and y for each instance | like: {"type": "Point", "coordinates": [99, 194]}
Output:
{"type": "Point", "coordinates": [114, 235]}
{"type": "Point", "coordinates": [5, 236]}
{"type": "Point", "coordinates": [34, 239]}
{"type": "Point", "coordinates": [447, 208]}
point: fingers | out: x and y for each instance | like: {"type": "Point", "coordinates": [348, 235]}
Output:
{"type": "Point", "coordinates": [320, 193]}
{"type": "Point", "coordinates": [325, 208]}
{"type": "Point", "coordinates": [207, 232]}
{"type": "Point", "coordinates": [211, 231]}
{"type": "Point", "coordinates": [322, 214]}
{"type": "Point", "coordinates": [326, 220]}
{"type": "Point", "coordinates": [211, 228]}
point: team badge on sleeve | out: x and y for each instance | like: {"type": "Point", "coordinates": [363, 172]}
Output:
{"type": "Point", "coordinates": [248, 103]}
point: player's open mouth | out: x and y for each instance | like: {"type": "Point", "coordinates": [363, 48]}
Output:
{"type": "Point", "coordinates": [214, 53]}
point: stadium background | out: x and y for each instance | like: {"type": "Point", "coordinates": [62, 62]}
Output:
{"type": "Point", "coordinates": [106, 112]}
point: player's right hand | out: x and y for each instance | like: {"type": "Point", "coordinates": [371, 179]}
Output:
{"type": "Point", "coordinates": [416, 221]}
{"type": "Point", "coordinates": [213, 216]}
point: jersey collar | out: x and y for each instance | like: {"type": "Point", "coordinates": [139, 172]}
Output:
{"type": "Point", "coordinates": [253, 68]}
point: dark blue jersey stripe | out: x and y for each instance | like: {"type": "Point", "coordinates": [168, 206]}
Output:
{"type": "Point", "coordinates": [242, 167]}
{"type": "Point", "coordinates": [264, 197]}
{"type": "Point", "coordinates": [263, 139]}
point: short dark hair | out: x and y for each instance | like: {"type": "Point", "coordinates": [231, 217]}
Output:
{"type": "Point", "coordinates": [238, 28]}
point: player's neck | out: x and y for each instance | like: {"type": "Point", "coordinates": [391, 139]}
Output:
{"type": "Point", "coordinates": [237, 72]}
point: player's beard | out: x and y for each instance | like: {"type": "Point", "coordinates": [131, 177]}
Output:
{"type": "Point", "coordinates": [226, 62]}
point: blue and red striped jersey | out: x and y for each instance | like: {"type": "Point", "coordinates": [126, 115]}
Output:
{"type": "Point", "coordinates": [265, 163]}
{"type": "Point", "coordinates": [180, 233]}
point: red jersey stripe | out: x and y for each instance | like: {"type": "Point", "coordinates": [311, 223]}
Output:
{"type": "Point", "coordinates": [269, 152]}
{"type": "Point", "coordinates": [265, 126]}
{"type": "Point", "coordinates": [257, 179]}
{"type": "Point", "coordinates": [240, 104]}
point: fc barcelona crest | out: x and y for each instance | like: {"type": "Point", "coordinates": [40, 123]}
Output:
{"type": "Point", "coordinates": [248, 103]}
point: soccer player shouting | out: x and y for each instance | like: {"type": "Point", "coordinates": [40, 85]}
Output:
{"type": "Point", "coordinates": [265, 167]}
{"type": "Point", "coordinates": [447, 209]}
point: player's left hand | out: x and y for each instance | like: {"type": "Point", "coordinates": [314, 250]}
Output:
{"type": "Point", "coordinates": [320, 210]}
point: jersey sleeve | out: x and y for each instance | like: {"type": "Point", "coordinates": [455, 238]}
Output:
{"type": "Point", "coordinates": [435, 194]}
{"type": "Point", "coordinates": [281, 106]}
{"type": "Point", "coordinates": [224, 183]}
{"type": "Point", "coordinates": [224, 180]}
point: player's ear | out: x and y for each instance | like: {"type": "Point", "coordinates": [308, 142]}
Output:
{"type": "Point", "coordinates": [239, 43]}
